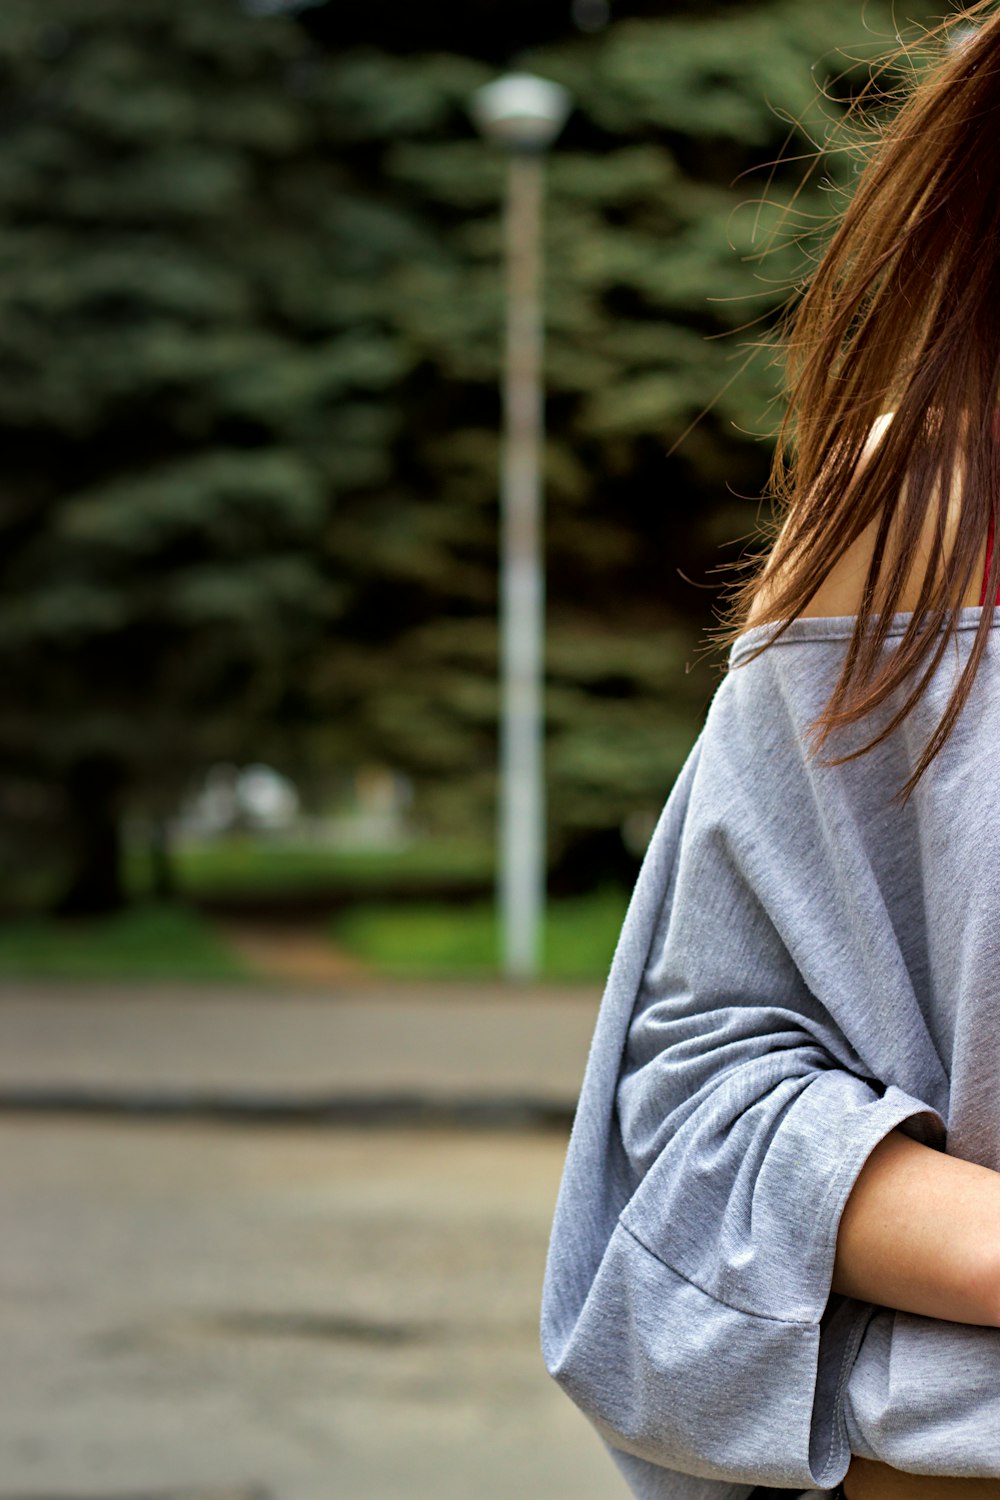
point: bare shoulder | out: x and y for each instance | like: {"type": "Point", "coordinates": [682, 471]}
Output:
{"type": "Point", "coordinates": [842, 589]}
{"type": "Point", "coordinates": [840, 592]}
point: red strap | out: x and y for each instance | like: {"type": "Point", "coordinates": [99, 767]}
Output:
{"type": "Point", "coordinates": [986, 570]}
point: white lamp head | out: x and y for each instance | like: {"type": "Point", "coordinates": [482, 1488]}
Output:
{"type": "Point", "coordinates": [521, 111]}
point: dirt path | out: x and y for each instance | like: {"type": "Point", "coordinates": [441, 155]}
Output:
{"type": "Point", "coordinates": [302, 954]}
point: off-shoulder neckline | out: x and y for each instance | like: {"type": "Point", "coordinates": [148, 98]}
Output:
{"type": "Point", "coordinates": [826, 628]}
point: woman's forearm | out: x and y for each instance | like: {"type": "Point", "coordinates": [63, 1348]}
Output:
{"type": "Point", "coordinates": [921, 1232]}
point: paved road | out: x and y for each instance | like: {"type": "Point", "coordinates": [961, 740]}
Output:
{"type": "Point", "coordinates": [457, 1045]}
{"type": "Point", "coordinates": [279, 1314]}
{"type": "Point", "coordinates": [221, 1310]}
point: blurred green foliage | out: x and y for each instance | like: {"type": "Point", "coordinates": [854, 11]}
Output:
{"type": "Point", "coordinates": [231, 867]}
{"type": "Point", "coordinates": [250, 317]}
{"type": "Point", "coordinates": [666, 236]}
{"type": "Point", "coordinates": [166, 386]}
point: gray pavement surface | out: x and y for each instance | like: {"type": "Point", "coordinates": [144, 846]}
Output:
{"type": "Point", "coordinates": [206, 1311]}
{"type": "Point", "coordinates": [202, 1309]}
{"type": "Point", "coordinates": [466, 1052]}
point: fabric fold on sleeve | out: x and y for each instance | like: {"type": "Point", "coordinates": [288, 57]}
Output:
{"type": "Point", "coordinates": [733, 1390]}
{"type": "Point", "coordinates": [747, 1388]}
{"type": "Point", "coordinates": [723, 1121]}
{"type": "Point", "coordinates": [924, 1395]}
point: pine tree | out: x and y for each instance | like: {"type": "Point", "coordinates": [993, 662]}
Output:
{"type": "Point", "coordinates": [661, 199]}
{"type": "Point", "coordinates": [170, 361]}
{"type": "Point", "coordinates": [250, 323]}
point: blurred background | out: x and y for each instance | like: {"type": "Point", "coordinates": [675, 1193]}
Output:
{"type": "Point", "coordinates": [280, 1141]}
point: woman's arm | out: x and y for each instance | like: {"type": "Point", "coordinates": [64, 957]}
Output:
{"type": "Point", "coordinates": [921, 1232]}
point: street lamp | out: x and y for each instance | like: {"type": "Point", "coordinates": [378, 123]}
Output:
{"type": "Point", "coordinates": [523, 114]}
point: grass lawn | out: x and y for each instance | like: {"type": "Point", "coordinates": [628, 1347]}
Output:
{"type": "Point", "coordinates": [146, 942]}
{"type": "Point", "coordinates": [438, 941]}
{"type": "Point", "coordinates": [419, 941]}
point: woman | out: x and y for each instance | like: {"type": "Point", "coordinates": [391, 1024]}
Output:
{"type": "Point", "coordinates": [775, 1262]}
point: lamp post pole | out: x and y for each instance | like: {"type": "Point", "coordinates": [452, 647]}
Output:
{"type": "Point", "coordinates": [524, 114]}
{"type": "Point", "coordinates": [522, 604]}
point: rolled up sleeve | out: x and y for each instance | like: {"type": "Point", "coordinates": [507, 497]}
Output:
{"type": "Point", "coordinates": [699, 1333]}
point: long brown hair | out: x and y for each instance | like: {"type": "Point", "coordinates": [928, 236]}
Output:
{"type": "Point", "coordinates": [901, 315]}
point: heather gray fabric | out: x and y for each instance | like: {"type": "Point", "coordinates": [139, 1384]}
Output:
{"type": "Point", "coordinates": [804, 965]}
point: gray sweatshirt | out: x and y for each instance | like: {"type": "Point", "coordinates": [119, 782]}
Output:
{"type": "Point", "coordinates": [805, 965]}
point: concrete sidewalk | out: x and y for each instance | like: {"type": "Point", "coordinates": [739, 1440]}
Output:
{"type": "Point", "coordinates": [364, 1052]}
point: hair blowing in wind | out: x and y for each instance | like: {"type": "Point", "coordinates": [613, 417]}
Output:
{"type": "Point", "coordinates": [901, 316]}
